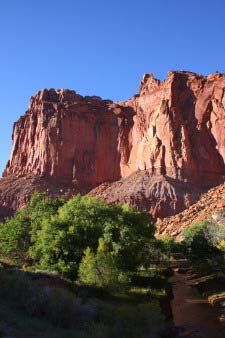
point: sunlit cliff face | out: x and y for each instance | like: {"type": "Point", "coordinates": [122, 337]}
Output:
{"type": "Point", "coordinates": [161, 143]}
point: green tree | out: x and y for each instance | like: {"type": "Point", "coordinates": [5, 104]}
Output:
{"type": "Point", "coordinates": [41, 207]}
{"type": "Point", "coordinates": [195, 230]}
{"type": "Point", "coordinates": [88, 268]}
{"type": "Point", "coordinates": [17, 233]}
{"type": "Point", "coordinates": [101, 269]}
{"type": "Point", "coordinates": [61, 239]}
{"type": "Point", "coordinates": [214, 233]}
{"type": "Point", "coordinates": [128, 235]}
{"type": "Point", "coordinates": [201, 239]}
{"type": "Point", "coordinates": [15, 236]}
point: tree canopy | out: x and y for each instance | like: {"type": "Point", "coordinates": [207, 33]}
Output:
{"type": "Point", "coordinates": [54, 234]}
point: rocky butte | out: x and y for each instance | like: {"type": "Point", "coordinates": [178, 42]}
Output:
{"type": "Point", "coordinates": [160, 150]}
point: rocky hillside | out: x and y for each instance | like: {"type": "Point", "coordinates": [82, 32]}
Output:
{"type": "Point", "coordinates": [210, 206]}
{"type": "Point", "coordinates": [160, 150]}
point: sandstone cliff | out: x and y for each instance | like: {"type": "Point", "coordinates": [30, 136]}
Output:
{"type": "Point", "coordinates": [159, 150]}
{"type": "Point", "coordinates": [68, 136]}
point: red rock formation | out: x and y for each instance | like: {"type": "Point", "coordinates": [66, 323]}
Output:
{"type": "Point", "coordinates": [15, 191]}
{"type": "Point", "coordinates": [68, 136]}
{"type": "Point", "coordinates": [160, 195]}
{"type": "Point", "coordinates": [179, 126]}
{"type": "Point", "coordinates": [166, 145]}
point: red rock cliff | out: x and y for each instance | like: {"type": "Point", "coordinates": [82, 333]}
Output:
{"type": "Point", "coordinates": [65, 135]}
{"type": "Point", "coordinates": [179, 125]}
{"type": "Point", "coordinates": [166, 145]}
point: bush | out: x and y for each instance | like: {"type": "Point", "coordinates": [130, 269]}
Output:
{"type": "Point", "coordinates": [87, 318]}
{"type": "Point", "coordinates": [128, 321]}
{"type": "Point", "coordinates": [213, 233]}
{"type": "Point", "coordinates": [202, 241]}
{"type": "Point", "coordinates": [58, 305]}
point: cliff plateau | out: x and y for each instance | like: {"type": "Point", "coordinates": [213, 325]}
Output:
{"type": "Point", "coordinates": [160, 150]}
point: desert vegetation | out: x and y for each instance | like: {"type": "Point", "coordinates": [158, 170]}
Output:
{"type": "Point", "coordinates": [82, 268]}
{"type": "Point", "coordinates": [204, 246]}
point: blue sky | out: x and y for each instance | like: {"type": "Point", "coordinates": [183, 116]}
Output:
{"type": "Point", "coordinates": [101, 47]}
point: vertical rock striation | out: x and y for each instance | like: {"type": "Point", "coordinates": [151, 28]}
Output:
{"type": "Point", "coordinates": [161, 149]}
{"type": "Point", "coordinates": [65, 135]}
{"type": "Point", "coordinates": [179, 126]}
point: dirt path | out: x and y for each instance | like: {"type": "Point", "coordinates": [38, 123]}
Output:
{"type": "Point", "coordinates": [193, 316]}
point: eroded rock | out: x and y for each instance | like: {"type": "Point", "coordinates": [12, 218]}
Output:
{"type": "Point", "coordinates": [159, 150]}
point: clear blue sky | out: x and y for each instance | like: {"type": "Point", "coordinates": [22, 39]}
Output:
{"type": "Point", "coordinates": [101, 47]}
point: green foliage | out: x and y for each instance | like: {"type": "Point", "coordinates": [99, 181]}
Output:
{"type": "Point", "coordinates": [61, 240]}
{"type": "Point", "coordinates": [196, 229]}
{"type": "Point", "coordinates": [201, 240]}
{"type": "Point", "coordinates": [213, 233]}
{"type": "Point", "coordinates": [15, 236]}
{"type": "Point", "coordinates": [221, 246]}
{"type": "Point", "coordinates": [161, 249]}
{"type": "Point", "coordinates": [17, 233]}
{"type": "Point", "coordinates": [128, 235]}
{"type": "Point", "coordinates": [40, 207]}
{"type": "Point", "coordinates": [101, 269]}
{"type": "Point", "coordinates": [53, 235]}
{"type": "Point", "coordinates": [106, 243]}
{"type": "Point", "coordinates": [88, 268]}
{"type": "Point", "coordinates": [54, 248]}
{"type": "Point", "coordinates": [168, 245]}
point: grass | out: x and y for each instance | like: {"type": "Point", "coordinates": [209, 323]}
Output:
{"type": "Point", "coordinates": [42, 304]}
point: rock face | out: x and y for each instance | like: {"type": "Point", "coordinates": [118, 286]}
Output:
{"type": "Point", "coordinates": [161, 149]}
{"type": "Point", "coordinates": [210, 206]}
{"type": "Point", "coordinates": [160, 195]}
{"type": "Point", "coordinates": [68, 136]}
{"type": "Point", "coordinates": [179, 126]}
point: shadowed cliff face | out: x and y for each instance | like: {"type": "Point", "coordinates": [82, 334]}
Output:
{"type": "Point", "coordinates": [164, 146]}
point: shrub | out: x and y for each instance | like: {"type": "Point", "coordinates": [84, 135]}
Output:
{"type": "Point", "coordinates": [213, 233]}
{"type": "Point", "coordinates": [202, 241]}
{"type": "Point", "coordinates": [85, 318]}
